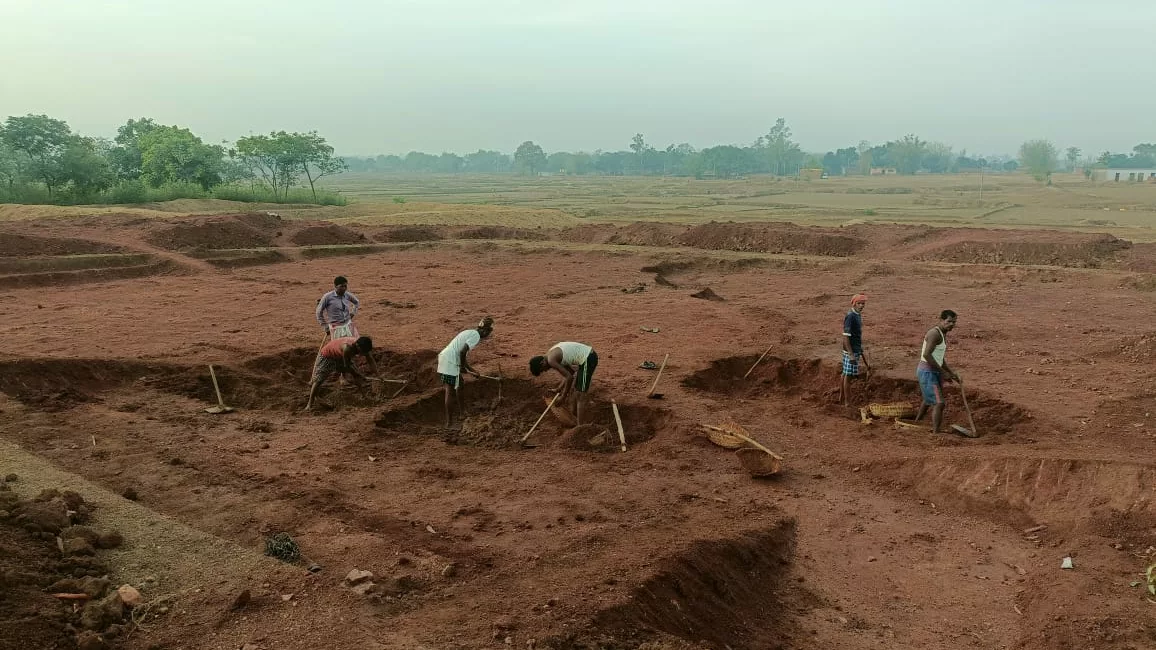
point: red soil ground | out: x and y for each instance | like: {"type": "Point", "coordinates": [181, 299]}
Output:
{"type": "Point", "coordinates": [872, 536]}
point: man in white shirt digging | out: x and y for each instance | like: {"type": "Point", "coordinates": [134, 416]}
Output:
{"type": "Point", "coordinates": [452, 362]}
{"type": "Point", "coordinates": [576, 363]}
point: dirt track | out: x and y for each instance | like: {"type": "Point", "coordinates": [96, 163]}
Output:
{"type": "Point", "coordinates": [872, 537]}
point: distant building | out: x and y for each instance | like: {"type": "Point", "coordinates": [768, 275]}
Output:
{"type": "Point", "coordinates": [1117, 175]}
{"type": "Point", "coordinates": [884, 171]}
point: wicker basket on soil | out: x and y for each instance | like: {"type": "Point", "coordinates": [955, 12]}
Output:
{"type": "Point", "coordinates": [755, 458]}
{"type": "Point", "coordinates": [892, 410]}
{"type": "Point", "coordinates": [562, 414]}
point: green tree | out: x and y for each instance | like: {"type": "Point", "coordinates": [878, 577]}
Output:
{"type": "Point", "coordinates": [1073, 156]}
{"type": "Point", "coordinates": [40, 141]}
{"type": "Point", "coordinates": [906, 154]}
{"type": "Point", "coordinates": [938, 158]}
{"type": "Point", "coordinates": [83, 168]}
{"type": "Point", "coordinates": [11, 166]}
{"type": "Point", "coordinates": [1040, 158]}
{"type": "Point", "coordinates": [273, 158]}
{"type": "Point", "coordinates": [172, 154]}
{"type": "Point", "coordinates": [783, 155]}
{"type": "Point", "coordinates": [126, 156]}
{"type": "Point", "coordinates": [318, 161]}
{"type": "Point", "coordinates": [529, 158]}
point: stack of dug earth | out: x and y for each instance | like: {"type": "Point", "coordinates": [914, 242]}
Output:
{"type": "Point", "coordinates": [755, 458]}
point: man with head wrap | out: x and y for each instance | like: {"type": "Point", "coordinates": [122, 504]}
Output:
{"type": "Point", "coordinates": [853, 346]}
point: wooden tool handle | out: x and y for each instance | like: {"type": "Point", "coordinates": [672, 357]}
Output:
{"type": "Point", "coordinates": [754, 442]}
{"type": "Point", "coordinates": [970, 421]}
{"type": "Point", "coordinates": [618, 421]}
{"type": "Point", "coordinates": [548, 407]}
{"type": "Point", "coordinates": [757, 362]}
{"type": "Point", "coordinates": [659, 376]}
{"type": "Point", "coordinates": [220, 400]}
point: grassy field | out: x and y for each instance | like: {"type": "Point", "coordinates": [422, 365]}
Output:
{"type": "Point", "coordinates": [1006, 200]}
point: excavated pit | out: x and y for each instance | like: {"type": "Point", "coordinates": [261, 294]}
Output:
{"type": "Point", "coordinates": [1084, 496]}
{"type": "Point", "coordinates": [817, 381]}
{"type": "Point", "coordinates": [501, 426]}
{"type": "Point", "coordinates": [275, 382]}
{"type": "Point", "coordinates": [729, 593]}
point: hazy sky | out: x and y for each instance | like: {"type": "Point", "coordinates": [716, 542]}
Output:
{"type": "Point", "coordinates": [389, 76]}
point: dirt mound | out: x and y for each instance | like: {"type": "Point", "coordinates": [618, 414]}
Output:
{"type": "Point", "coordinates": [499, 232]}
{"type": "Point", "coordinates": [501, 426]}
{"type": "Point", "coordinates": [409, 234]}
{"type": "Point", "coordinates": [708, 294]}
{"type": "Point", "coordinates": [58, 384]}
{"type": "Point", "coordinates": [731, 593]}
{"type": "Point", "coordinates": [816, 381]}
{"type": "Point", "coordinates": [263, 221]}
{"type": "Point", "coordinates": [1134, 349]}
{"type": "Point", "coordinates": [14, 245]}
{"type": "Point", "coordinates": [764, 238]}
{"type": "Point", "coordinates": [85, 276]}
{"type": "Point", "coordinates": [32, 568]}
{"type": "Point", "coordinates": [1091, 252]}
{"type": "Point", "coordinates": [218, 232]}
{"type": "Point", "coordinates": [327, 235]}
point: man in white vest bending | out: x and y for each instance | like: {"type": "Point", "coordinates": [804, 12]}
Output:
{"type": "Point", "coordinates": [576, 363]}
{"type": "Point", "coordinates": [933, 369]}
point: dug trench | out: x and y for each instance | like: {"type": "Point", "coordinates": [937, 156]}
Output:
{"type": "Point", "coordinates": [817, 382]}
{"type": "Point", "coordinates": [491, 424]}
{"type": "Point", "coordinates": [275, 382]}
{"type": "Point", "coordinates": [729, 593]}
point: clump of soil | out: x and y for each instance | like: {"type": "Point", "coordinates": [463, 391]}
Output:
{"type": "Point", "coordinates": [32, 568]}
{"type": "Point", "coordinates": [491, 430]}
{"type": "Point", "coordinates": [499, 232]}
{"type": "Point", "coordinates": [218, 232]}
{"type": "Point", "coordinates": [327, 235]}
{"type": "Point", "coordinates": [708, 294]}
{"type": "Point", "coordinates": [15, 245]}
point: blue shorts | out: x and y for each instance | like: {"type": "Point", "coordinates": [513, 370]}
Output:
{"type": "Point", "coordinates": [453, 381]}
{"type": "Point", "coordinates": [930, 385]}
{"type": "Point", "coordinates": [850, 364]}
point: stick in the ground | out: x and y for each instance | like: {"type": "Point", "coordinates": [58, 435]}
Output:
{"type": "Point", "coordinates": [403, 385]}
{"type": "Point", "coordinates": [548, 407]}
{"type": "Point", "coordinates": [618, 421]}
{"type": "Point", "coordinates": [499, 400]}
{"type": "Point", "coordinates": [974, 431]}
{"type": "Point", "coordinates": [760, 360]}
{"type": "Point", "coordinates": [659, 376]}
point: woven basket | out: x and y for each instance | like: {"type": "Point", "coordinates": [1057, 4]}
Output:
{"type": "Point", "coordinates": [725, 439]}
{"type": "Point", "coordinates": [895, 410]}
{"type": "Point", "coordinates": [562, 414]}
{"type": "Point", "coordinates": [758, 462]}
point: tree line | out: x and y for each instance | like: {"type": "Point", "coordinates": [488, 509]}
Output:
{"type": "Point", "coordinates": [43, 161]}
{"type": "Point", "coordinates": [776, 153]}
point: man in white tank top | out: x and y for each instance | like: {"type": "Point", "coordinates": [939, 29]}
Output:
{"type": "Point", "coordinates": [933, 369]}
{"type": "Point", "coordinates": [452, 363]}
{"type": "Point", "coordinates": [576, 363]}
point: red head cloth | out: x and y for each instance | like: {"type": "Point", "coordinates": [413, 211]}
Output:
{"type": "Point", "coordinates": [859, 297]}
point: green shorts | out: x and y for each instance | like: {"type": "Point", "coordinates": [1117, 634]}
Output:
{"type": "Point", "coordinates": [586, 373]}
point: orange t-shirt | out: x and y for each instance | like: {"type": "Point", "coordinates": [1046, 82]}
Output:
{"type": "Point", "coordinates": [332, 349]}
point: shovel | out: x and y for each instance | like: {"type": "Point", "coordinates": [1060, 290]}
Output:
{"type": "Point", "coordinates": [652, 394]}
{"type": "Point", "coordinates": [220, 407]}
{"type": "Point", "coordinates": [548, 407]}
{"type": "Point", "coordinates": [964, 431]}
